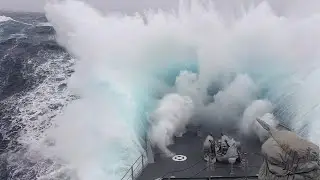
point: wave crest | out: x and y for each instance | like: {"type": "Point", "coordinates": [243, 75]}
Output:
{"type": "Point", "coordinates": [123, 63]}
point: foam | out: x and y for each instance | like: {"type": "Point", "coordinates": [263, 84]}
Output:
{"type": "Point", "coordinates": [257, 55]}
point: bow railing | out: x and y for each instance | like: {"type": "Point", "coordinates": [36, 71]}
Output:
{"type": "Point", "coordinates": [141, 162]}
{"type": "Point", "coordinates": [136, 168]}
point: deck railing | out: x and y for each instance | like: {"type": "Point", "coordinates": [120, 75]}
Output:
{"type": "Point", "coordinates": [136, 168]}
{"type": "Point", "coordinates": [141, 162]}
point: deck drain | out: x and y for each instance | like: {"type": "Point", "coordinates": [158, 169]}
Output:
{"type": "Point", "coordinates": [179, 158]}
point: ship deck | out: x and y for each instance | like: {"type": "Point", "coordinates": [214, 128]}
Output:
{"type": "Point", "coordinates": [194, 167]}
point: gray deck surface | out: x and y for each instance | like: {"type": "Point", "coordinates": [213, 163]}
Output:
{"type": "Point", "coordinates": [190, 145]}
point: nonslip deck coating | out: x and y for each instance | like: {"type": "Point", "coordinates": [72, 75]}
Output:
{"type": "Point", "coordinates": [190, 145]}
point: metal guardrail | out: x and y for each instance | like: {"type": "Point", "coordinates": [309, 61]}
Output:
{"type": "Point", "coordinates": [135, 168]}
{"type": "Point", "coordinates": [140, 163]}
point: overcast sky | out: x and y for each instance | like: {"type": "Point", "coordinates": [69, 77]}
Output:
{"type": "Point", "coordinates": [282, 7]}
{"type": "Point", "coordinates": [22, 5]}
{"type": "Point", "coordinates": [124, 5]}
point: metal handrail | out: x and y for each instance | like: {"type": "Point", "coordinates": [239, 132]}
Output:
{"type": "Point", "coordinates": [143, 163]}
{"type": "Point", "coordinates": [133, 169]}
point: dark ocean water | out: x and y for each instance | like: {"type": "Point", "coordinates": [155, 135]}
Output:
{"type": "Point", "coordinates": [33, 74]}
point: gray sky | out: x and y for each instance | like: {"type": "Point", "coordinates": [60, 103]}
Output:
{"type": "Point", "coordinates": [22, 5]}
{"type": "Point", "coordinates": [123, 5]}
{"type": "Point", "coordinates": [282, 7]}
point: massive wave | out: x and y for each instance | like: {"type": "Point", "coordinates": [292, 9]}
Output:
{"type": "Point", "coordinates": [125, 61]}
{"type": "Point", "coordinates": [153, 73]}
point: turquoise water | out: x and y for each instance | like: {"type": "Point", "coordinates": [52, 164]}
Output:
{"type": "Point", "coordinates": [132, 65]}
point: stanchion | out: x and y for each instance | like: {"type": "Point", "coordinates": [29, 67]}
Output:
{"type": "Point", "coordinates": [132, 176]}
{"type": "Point", "coordinates": [142, 163]}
